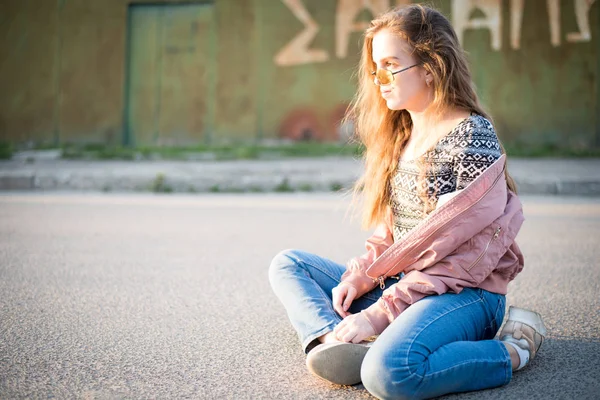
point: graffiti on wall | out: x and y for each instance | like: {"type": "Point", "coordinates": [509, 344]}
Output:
{"type": "Point", "coordinates": [492, 9]}
{"type": "Point", "coordinates": [298, 50]}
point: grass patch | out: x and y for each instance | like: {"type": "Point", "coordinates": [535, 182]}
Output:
{"type": "Point", "coordinates": [276, 150]}
{"type": "Point", "coordinates": [305, 187]}
{"type": "Point", "coordinates": [97, 152]}
{"type": "Point", "coordinates": [256, 189]}
{"type": "Point", "coordinates": [202, 152]}
{"type": "Point", "coordinates": [6, 150]}
{"type": "Point", "coordinates": [551, 151]}
{"type": "Point", "coordinates": [159, 185]}
{"type": "Point", "coordinates": [336, 186]}
{"type": "Point", "coordinates": [283, 187]}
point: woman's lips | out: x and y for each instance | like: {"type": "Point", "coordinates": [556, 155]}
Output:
{"type": "Point", "coordinates": [385, 93]}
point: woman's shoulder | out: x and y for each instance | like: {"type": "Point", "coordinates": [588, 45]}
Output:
{"type": "Point", "coordinates": [480, 122]}
{"type": "Point", "coordinates": [473, 139]}
{"type": "Point", "coordinates": [474, 124]}
{"type": "Point", "coordinates": [474, 131]}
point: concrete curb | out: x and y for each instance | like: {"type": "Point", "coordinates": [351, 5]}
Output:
{"type": "Point", "coordinates": [533, 176]}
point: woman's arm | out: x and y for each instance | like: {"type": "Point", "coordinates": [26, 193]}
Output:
{"type": "Point", "coordinates": [478, 148]}
{"type": "Point", "coordinates": [468, 266]}
{"type": "Point", "coordinates": [381, 239]}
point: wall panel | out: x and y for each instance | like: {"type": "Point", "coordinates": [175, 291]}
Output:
{"type": "Point", "coordinates": [283, 68]}
{"type": "Point", "coordinates": [29, 72]}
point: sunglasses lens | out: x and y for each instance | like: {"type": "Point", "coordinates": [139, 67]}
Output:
{"type": "Point", "coordinates": [384, 77]}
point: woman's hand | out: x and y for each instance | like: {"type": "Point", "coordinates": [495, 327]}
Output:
{"type": "Point", "coordinates": [342, 297]}
{"type": "Point", "coordinates": [354, 328]}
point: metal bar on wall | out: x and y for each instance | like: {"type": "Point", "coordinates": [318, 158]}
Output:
{"type": "Point", "coordinates": [127, 138]}
{"type": "Point", "coordinates": [258, 22]}
{"type": "Point", "coordinates": [209, 128]}
{"type": "Point", "coordinates": [598, 77]}
{"type": "Point", "coordinates": [161, 44]}
{"type": "Point", "coordinates": [57, 74]}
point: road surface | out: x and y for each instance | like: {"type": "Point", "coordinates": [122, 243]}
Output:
{"type": "Point", "coordinates": [149, 296]}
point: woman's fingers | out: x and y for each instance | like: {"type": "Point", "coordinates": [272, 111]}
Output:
{"type": "Point", "coordinates": [347, 333]}
{"type": "Point", "coordinates": [347, 337]}
{"type": "Point", "coordinates": [342, 297]}
{"type": "Point", "coordinates": [341, 331]}
{"type": "Point", "coordinates": [357, 338]}
{"type": "Point", "coordinates": [338, 297]}
{"type": "Point", "coordinates": [353, 329]}
{"type": "Point", "coordinates": [351, 294]}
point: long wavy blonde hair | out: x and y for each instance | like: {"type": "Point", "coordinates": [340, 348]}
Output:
{"type": "Point", "coordinates": [385, 132]}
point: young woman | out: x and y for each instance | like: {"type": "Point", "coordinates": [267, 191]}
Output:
{"type": "Point", "coordinates": [431, 287]}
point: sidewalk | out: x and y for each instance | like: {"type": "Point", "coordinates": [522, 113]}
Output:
{"type": "Point", "coordinates": [42, 171]}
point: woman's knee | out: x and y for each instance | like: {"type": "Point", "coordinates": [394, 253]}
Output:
{"type": "Point", "coordinates": [386, 376]}
{"type": "Point", "coordinates": [283, 261]}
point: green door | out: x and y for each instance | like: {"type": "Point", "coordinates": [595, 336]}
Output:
{"type": "Point", "coordinates": [169, 68]}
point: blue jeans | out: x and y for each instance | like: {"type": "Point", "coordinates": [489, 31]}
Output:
{"type": "Point", "coordinates": [439, 345]}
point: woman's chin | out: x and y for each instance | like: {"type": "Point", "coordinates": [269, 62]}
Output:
{"type": "Point", "coordinates": [393, 104]}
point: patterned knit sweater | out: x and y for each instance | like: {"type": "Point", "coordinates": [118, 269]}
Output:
{"type": "Point", "coordinates": [456, 160]}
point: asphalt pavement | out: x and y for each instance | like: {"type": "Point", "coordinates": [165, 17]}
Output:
{"type": "Point", "coordinates": [113, 296]}
{"type": "Point", "coordinates": [44, 171]}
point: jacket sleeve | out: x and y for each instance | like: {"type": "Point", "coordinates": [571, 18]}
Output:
{"type": "Point", "coordinates": [411, 288]}
{"type": "Point", "coordinates": [468, 266]}
{"type": "Point", "coordinates": [376, 244]}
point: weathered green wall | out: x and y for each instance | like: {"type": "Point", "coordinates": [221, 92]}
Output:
{"type": "Point", "coordinates": [237, 70]}
{"type": "Point", "coordinates": [28, 70]}
{"type": "Point", "coordinates": [64, 72]}
{"type": "Point", "coordinates": [540, 92]}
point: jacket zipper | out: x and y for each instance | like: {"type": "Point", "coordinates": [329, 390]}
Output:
{"type": "Point", "coordinates": [382, 277]}
{"type": "Point", "coordinates": [496, 234]}
{"type": "Point", "coordinates": [381, 281]}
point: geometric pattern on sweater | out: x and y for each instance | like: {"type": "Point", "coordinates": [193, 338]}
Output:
{"type": "Point", "coordinates": [454, 162]}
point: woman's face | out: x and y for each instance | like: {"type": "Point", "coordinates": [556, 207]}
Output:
{"type": "Point", "coordinates": [408, 90]}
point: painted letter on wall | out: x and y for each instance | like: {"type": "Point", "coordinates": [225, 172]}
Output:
{"type": "Point", "coordinates": [582, 8]}
{"type": "Point", "coordinates": [297, 51]}
{"type": "Point", "coordinates": [347, 11]}
{"type": "Point", "coordinates": [554, 21]}
{"type": "Point", "coordinates": [516, 22]}
{"type": "Point", "coordinates": [461, 12]}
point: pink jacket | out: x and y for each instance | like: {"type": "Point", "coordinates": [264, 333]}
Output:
{"type": "Point", "coordinates": [467, 242]}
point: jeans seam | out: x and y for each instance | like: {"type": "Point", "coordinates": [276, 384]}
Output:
{"type": "Point", "coordinates": [501, 305]}
{"type": "Point", "coordinates": [299, 261]}
{"type": "Point", "coordinates": [431, 322]}
{"type": "Point", "coordinates": [367, 295]}
{"type": "Point", "coordinates": [494, 319]}
{"type": "Point", "coordinates": [478, 300]}
{"type": "Point", "coordinates": [329, 303]}
{"type": "Point", "coordinates": [508, 368]}
{"type": "Point", "coordinates": [454, 366]}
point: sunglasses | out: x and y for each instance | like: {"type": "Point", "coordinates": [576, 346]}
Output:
{"type": "Point", "coordinates": [386, 77]}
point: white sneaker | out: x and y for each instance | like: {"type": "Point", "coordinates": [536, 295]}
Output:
{"type": "Point", "coordinates": [525, 329]}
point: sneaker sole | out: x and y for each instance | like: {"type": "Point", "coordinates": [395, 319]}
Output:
{"type": "Point", "coordinates": [527, 317]}
{"type": "Point", "coordinates": [337, 363]}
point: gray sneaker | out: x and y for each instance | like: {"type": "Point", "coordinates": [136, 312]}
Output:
{"type": "Point", "coordinates": [524, 328]}
{"type": "Point", "coordinates": [337, 363]}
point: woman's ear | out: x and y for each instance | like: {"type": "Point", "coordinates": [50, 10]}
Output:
{"type": "Point", "coordinates": [428, 77]}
